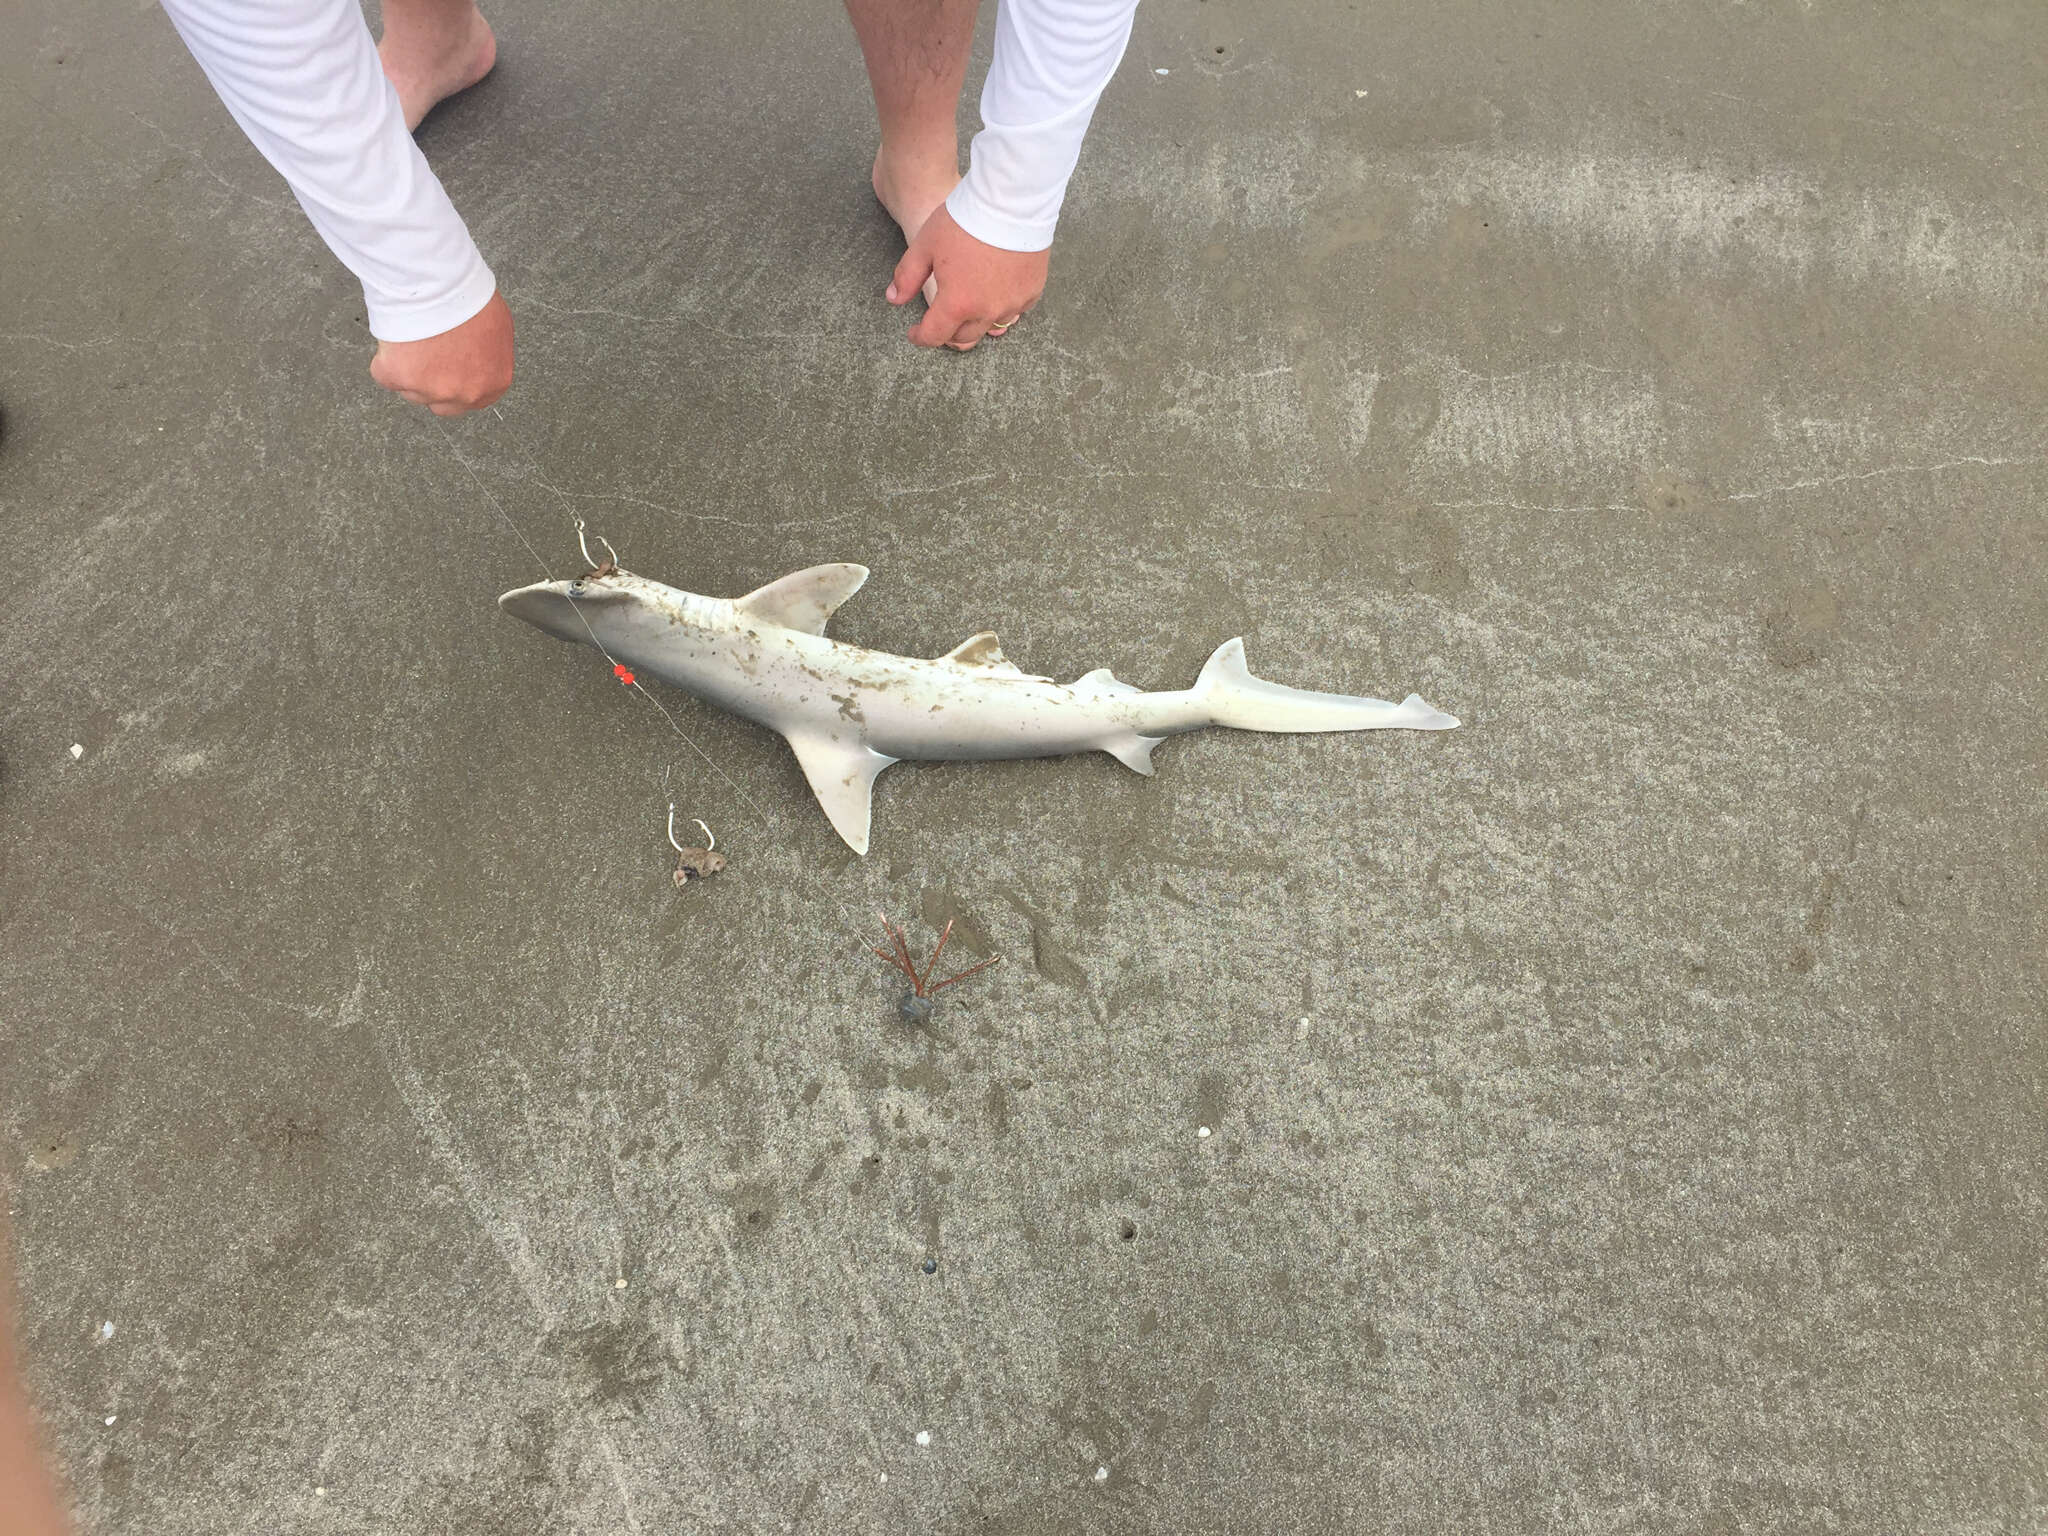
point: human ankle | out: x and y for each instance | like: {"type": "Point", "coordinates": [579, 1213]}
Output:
{"type": "Point", "coordinates": [919, 158]}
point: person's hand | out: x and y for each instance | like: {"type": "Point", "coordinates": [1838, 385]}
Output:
{"type": "Point", "coordinates": [982, 289]}
{"type": "Point", "coordinates": [461, 370]}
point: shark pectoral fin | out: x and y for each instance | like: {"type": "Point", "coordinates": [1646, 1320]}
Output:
{"type": "Point", "coordinates": [804, 600]}
{"type": "Point", "coordinates": [1134, 752]}
{"type": "Point", "coordinates": [842, 774]}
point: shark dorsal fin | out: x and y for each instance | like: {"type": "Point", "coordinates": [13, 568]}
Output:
{"type": "Point", "coordinates": [842, 775]}
{"type": "Point", "coordinates": [803, 600]}
{"type": "Point", "coordinates": [985, 653]}
{"type": "Point", "coordinates": [982, 650]}
{"type": "Point", "coordinates": [1102, 680]}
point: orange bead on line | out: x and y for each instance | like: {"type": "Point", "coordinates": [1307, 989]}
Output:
{"type": "Point", "coordinates": [619, 671]}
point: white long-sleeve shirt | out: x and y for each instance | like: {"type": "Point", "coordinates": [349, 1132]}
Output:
{"type": "Point", "coordinates": [303, 79]}
{"type": "Point", "coordinates": [1052, 61]}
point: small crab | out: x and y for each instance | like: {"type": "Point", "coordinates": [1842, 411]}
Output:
{"type": "Point", "coordinates": [917, 1007]}
{"type": "Point", "coordinates": [694, 863]}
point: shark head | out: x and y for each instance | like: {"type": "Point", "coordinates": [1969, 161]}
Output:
{"type": "Point", "coordinates": [557, 608]}
{"type": "Point", "coordinates": [606, 611]}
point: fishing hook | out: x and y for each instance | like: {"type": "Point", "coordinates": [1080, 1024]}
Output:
{"type": "Point", "coordinates": [710, 842]}
{"type": "Point", "coordinates": [585, 547]}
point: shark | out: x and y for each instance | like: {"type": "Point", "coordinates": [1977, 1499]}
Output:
{"type": "Point", "coordinates": [848, 712]}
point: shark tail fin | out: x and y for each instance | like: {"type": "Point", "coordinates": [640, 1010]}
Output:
{"type": "Point", "coordinates": [1233, 697]}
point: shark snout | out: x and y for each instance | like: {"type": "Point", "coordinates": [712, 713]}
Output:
{"type": "Point", "coordinates": [546, 605]}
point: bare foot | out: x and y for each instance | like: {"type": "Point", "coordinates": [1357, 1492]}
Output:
{"type": "Point", "coordinates": [911, 189]}
{"type": "Point", "coordinates": [432, 49]}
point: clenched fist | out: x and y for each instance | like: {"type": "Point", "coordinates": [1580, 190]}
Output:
{"type": "Point", "coordinates": [981, 289]}
{"type": "Point", "coordinates": [461, 370]}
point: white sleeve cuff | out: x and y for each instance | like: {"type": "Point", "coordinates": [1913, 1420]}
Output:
{"type": "Point", "coordinates": [980, 213]}
{"type": "Point", "coordinates": [406, 317]}
{"type": "Point", "coordinates": [1053, 59]}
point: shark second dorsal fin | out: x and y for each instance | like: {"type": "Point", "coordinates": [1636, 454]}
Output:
{"type": "Point", "coordinates": [982, 650]}
{"type": "Point", "coordinates": [803, 600]}
{"type": "Point", "coordinates": [842, 776]}
{"type": "Point", "coordinates": [984, 653]}
{"type": "Point", "coordinates": [1102, 680]}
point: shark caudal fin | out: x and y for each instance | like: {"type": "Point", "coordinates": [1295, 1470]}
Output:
{"type": "Point", "coordinates": [1233, 697]}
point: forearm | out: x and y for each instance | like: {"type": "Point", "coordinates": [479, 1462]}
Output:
{"type": "Point", "coordinates": [302, 79]}
{"type": "Point", "coordinates": [28, 1497]}
{"type": "Point", "coordinates": [1053, 59]}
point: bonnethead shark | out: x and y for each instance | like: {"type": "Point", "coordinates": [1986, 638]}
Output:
{"type": "Point", "coordinates": [848, 713]}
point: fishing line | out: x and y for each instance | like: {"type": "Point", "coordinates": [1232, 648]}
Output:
{"type": "Point", "coordinates": [618, 667]}
{"type": "Point", "coordinates": [492, 498]}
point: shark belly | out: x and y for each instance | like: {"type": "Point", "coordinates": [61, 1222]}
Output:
{"type": "Point", "coordinates": [934, 711]}
{"type": "Point", "coordinates": [966, 725]}
{"type": "Point", "coordinates": [900, 707]}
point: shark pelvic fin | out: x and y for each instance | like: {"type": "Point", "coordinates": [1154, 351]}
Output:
{"type": "Point", "coordinates": [1134, 751]}
{"type": "Point", "coordinates": [803, 600]}
{"type": "Point", "coordinates": [842, 775]}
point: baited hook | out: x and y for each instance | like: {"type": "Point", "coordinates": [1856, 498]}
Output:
{"type": "Point", "coordinates": [583, 545]}
{"type": "Point", "coordinates": [694, 863]}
